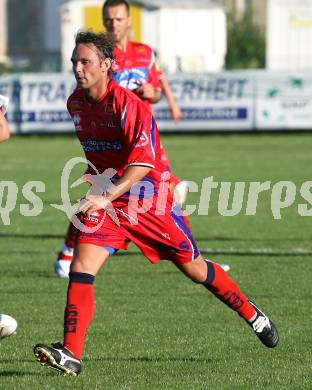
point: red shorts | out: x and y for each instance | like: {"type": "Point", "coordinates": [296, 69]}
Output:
{"type": "Point", "coordinates": [159, 237]}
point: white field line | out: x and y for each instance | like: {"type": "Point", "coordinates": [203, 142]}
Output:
{"type": "Point", "coordinates": [258, 251]}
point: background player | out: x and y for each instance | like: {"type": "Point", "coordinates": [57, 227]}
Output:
{"type": "Point", "coordinates": [165, 236]}
{"type": "Point", "coordinates": [135, 66]}
{"type": "Point", "coordinates": [174, 108]}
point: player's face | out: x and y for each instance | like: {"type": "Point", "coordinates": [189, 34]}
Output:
{"type": "Point", "coordinates": [117, 20]}
{"type": "Point", "coordinates": [88, 68]}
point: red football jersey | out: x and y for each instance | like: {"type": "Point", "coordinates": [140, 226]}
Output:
{"type": "Point", "coordinates": [135, 64]}
{"type": "Point", "coordinates": [119, 131]}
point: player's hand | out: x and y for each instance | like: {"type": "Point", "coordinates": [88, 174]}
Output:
{"type": "Point", "coordinates": [145, 90]}
{"type": "Point", "coordinates": [91, 203]}
{"type": "Point", "coordinates": [176, 113]}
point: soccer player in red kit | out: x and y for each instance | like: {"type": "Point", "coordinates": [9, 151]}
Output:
{"type": "Point", "coordinates": [134, 69]}
{"type": "Point", "coordinates": [118, 134]}
{"type": "Point", "coordinates": [135, 66]}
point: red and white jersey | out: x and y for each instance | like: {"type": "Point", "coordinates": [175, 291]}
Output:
{"type": "Point", "coordinates": [119, 131]}
{"type": "Point", "coordinates": [135, 64]}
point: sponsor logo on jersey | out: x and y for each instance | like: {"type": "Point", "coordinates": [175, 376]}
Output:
{"type": "Point", "coordinates": [100, 146]}
{"type": "Point", "coordinates": [130, 78]}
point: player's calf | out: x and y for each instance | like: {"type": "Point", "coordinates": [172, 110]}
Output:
{"type": "Point", "coordinates": [224, 288]}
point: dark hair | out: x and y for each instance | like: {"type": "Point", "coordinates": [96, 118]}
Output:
{"type": "Point", "coordinates": [115, 3]}
{"type": "Point", "coordinates": [104, 42]}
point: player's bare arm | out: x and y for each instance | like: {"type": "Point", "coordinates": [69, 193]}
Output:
{"type": "Point", "coordinates": [176, 113]}
{"type": "Point", "coordinates": [4, 127]}
{"type": "Point", "coordinates": [131, 176]}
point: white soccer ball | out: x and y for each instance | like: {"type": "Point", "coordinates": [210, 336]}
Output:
{"type": "Point", "coordinates": [8, 326]}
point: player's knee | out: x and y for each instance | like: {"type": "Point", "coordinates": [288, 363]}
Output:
{"type": "Point", "coordinates": [195, 270]}
{"type": "Point", "coordinates": [197, 275]}
{"type": "Point", "coordinates": [79, 265]}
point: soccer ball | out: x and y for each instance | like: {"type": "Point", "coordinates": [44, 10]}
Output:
{"type": "Point", "coordinates": [8, 326]}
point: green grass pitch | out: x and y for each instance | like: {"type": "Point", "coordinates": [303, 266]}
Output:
{"type": "Point", "coordinates": [153, 328]}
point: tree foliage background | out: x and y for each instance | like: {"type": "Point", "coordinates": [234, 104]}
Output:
{"type": "Point", "coordinates": [245, 43]}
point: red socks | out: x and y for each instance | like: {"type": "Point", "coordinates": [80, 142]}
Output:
{"type": "Point", "coordinates": [80, 303]}
{"type": "Point", "coordinates": [79, 311]}
{"type": "Point", "coordinates": [224, 288]}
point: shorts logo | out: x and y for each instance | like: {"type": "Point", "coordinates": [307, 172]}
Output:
{"type": "Point", "coordinates": [184, 246]}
